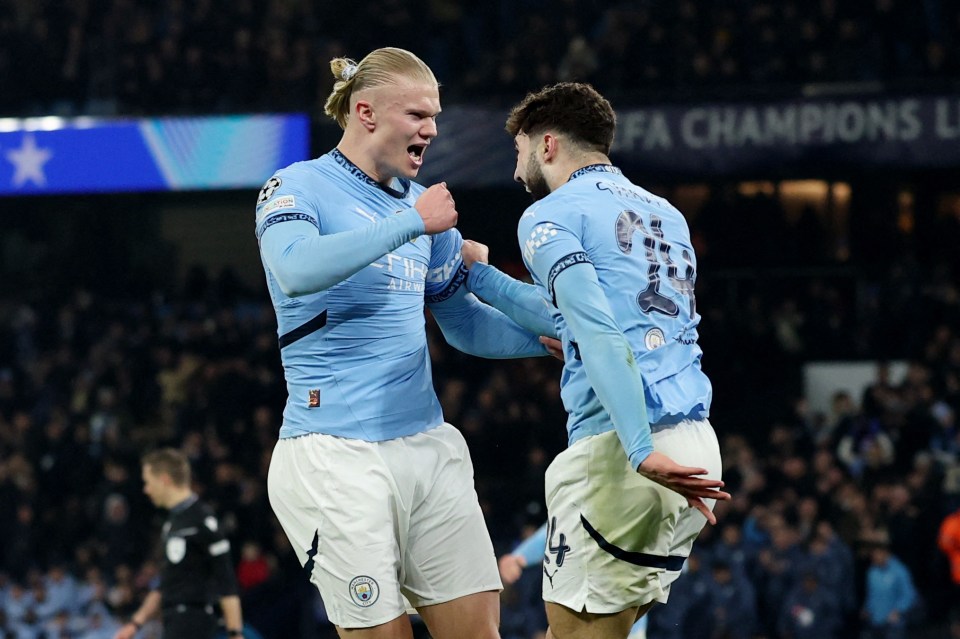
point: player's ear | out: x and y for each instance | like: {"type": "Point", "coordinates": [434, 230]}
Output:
{"type": "Point", "coordinates": [366, 116]}
{"type": "Point", "coordinates": [549, 146]}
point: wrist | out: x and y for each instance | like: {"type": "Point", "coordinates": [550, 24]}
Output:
{"type": "Point", "coordinates": [136, 624]}
{"type": "Point", "coordinates": [473, 272]}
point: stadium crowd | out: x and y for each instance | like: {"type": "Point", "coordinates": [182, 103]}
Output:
{"type": "Point", "coordinates": [91, 378]}
{"type": "Point", "coordinates": [138, 56]}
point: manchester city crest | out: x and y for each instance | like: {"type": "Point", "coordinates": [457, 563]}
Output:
{"type": "Point", "coordinates": [654, 339]}
{"type": "Point", "coordinates": [364, 591]}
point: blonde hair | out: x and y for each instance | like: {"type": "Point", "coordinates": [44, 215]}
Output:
{"type": "Point", "coordinates": [379, 67]}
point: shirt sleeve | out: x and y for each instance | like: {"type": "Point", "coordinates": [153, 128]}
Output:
{"type": "Point", "coordinates": [478, 329]}
{"type": "Point", "coordinates": [555, 256]}
{"type": "Point", "coordinates": [532, 548]}
{"type": "Point", "coordinates": [304, 259]}
{"type": "Point", "coordinates": [468, 324]}
{"type": "Point", "coordinates": [521, 302]}
{"type": "Point", "coordinates": [217, 547]}
{"type": "Point", "coordinates": [446, 273]}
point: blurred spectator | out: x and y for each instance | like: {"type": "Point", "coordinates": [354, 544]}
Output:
{"type": "Point", "coordinates": [732, 603]}
{"type": "Point", "coordinates": [778, 570]}
{"type": "Point", "coordinates": [579, 62]}
{"type": "Point", "coordinates": [949, 542]}
{"type": "Point", "coordinates": [517, 620]}
{"type": "Point", "coordinates": [684, 616]}
{"type": "Point", "coordinates": [890, 595]}
{"type": "Point", "coordinates": [865, 448]}
{"type": "Point", "coordinates": [731, 549]}
{"type": "Point", "coordinates": [118, 545]}
{"type": "Point", "coordinates": [253, 568]}
{"type": "Point", "coordinates": [810, 611]}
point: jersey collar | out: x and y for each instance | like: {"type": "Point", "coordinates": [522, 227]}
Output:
{"type": "Point", "coordinates": [358, 173]}
{"type": "Point", "coordinates": [183, 505]}
{"type": "Point", "coordinates": [594, 168]}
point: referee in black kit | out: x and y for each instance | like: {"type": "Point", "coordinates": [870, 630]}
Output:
{"type": "Point", "coordinates": [196, 567]}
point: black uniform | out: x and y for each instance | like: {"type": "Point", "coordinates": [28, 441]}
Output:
{"type": "Point", "coordinates": [196, 571]}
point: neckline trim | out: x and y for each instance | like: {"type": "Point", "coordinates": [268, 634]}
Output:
{"type": "Point", "coordinates": [358, 173]}
{"type": "Point", "coordinates": [594, 168]}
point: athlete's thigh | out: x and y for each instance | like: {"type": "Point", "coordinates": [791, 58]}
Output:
{"type": "Point", "coordinates": [609, 530]}
{"type": "Point", "coordinates": [335, 499]}
{"type": "Point", "coordinates": [474, 616]}
{"type": "Point", "coordinates": [692, 444]}
{"type": "Point", "coordinates": [568, 624]}
{"type": "Point", "coordinates": [448, 553]}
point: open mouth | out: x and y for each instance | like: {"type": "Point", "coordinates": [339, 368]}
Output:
{"type": "Point", "coordinates": [416, 151]}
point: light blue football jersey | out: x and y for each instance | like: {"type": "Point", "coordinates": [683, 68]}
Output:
{"type": "Point", "coordinates": [640, 247]}
{"type": "Point", "coordinates": [355, 355]}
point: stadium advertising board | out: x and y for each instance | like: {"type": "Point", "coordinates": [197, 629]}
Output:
{"type": "Point", "coordinates": [799, 137]}
{"type": "Point", "coordinates": [82, 155]}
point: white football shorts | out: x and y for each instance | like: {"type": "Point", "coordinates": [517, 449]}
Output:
{"type": "Point", "coordinates": [616, 539]}
{"type": "Point", "coordinates": [380, 525]}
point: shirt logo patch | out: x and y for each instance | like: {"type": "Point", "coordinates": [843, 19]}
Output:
{"type": "Point", "coordinates": [282, 202]}
{"type": "Point", "coordinates": [313, 398]}
{"type": "Point", "coordinates": [271, 185]}
{"type": "Point", "coordinates": [176, 549]}
{"type": "Point", "coordinates": [364, 591]}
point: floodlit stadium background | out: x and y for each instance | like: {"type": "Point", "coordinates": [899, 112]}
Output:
{"type": "Point", "coordinates": [813, 146]}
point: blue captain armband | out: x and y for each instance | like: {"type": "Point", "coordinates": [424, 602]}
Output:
{"type": "Point", "coordinates": [563, 264]}
{"type": "Point", "coordinates": [451, 288]}
{"type": "Point", "coordinates": [287, 217]}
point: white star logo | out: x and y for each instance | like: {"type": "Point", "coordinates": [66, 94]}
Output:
{"type": "Point", "coordinates": [29, 160]}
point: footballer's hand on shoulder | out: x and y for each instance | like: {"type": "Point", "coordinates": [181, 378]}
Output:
{"type": "Point", "coordinates": [473, 252]}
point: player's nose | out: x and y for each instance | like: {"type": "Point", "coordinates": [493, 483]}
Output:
{"type": "Point", "coordinates": [429, 129]}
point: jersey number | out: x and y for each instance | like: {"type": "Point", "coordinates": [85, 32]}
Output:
{"type": "Point", "coordinates": [560, 549]}
{"type": "Point", "coordinates": [656, 252]}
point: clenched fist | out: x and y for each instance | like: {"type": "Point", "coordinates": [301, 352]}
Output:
{"type": "Point", "coordinates": [437, 209]}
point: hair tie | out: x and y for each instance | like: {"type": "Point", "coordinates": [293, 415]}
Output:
{"type": "Point", "coordinates": [348, 72]}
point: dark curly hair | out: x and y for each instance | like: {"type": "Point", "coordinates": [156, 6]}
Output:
{"type": "Point", "coordinates": [571, 108]}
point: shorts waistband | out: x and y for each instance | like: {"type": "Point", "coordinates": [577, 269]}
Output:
{"type": "Point", "coordinates": [673, 421]}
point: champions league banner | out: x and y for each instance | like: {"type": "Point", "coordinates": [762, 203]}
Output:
{"type": "Point", "coordinates": [40, 156]}
{"type": "Point", "coordinates": [796, 138]}
{"type": "Point", "coordinates": [803, 138]}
